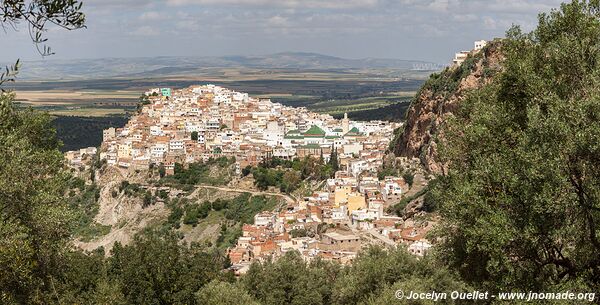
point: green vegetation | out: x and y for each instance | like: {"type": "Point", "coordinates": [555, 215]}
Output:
{"type": "Point", "coordinates": [361, 104]}
{"type": "Point", "coordinates": [288, 175]}
{"type": "Point", "coordinates": [408, 177]}
{"type": "Point", "coordinates": [521, 200]}
{"type": "Point", "coordinates": [399, 207]}
{"type": "Point", "coordinates": [36, 220]}
{"type": "Point", "coordinates": [80, 132]}
{"type": "Point", "coordinates": [520, 203]}
{"type": "Point", "coordinates": [266, 177]}
{"type": "Point", "coordinates": [447, 82]}
{"type": "Point", "coordinates": [143, 101]}
{"type": "Point", "coordinates": [233, 212]}
{"type": "Point", "coordinates": [430, 202]}
{"type": "Point", "coordinates": [298, 233]}
{"type": "Point", "coordinates": [92, 230]}
{"type": "Point", "coordinates": [130, 189]}
{"type": "Point", "coordinates": [213, 172]}
{"type": "Point", "coordinates": [229, 235]}
{"type": "Point", "coordinates": [156, 269]}
{"type": "Point", "coordinates": [372, 279]}
{"type": "Point", "coordinates": [224, 293]}
{"type": "Point", "coordinates": [391, 168]}
{"type": "Point", "coordinates": [83, 201]}
{"type": "Point", "coordinates": [243, 208]}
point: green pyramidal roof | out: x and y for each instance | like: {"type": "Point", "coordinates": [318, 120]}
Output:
{"type": "Point", "coordinates": [314, 131]}
{"type": "Point", "coordinates": [353, 131]}
{"type": "Point", "coordinates": [294, 134]}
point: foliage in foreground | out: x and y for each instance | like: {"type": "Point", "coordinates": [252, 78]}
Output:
{"type": "Point", "coordinates": [34, 219]}
{"type": "Point", "coordinates": [521, 205]}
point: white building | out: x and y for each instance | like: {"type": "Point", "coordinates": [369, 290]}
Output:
{"type": "Point", "coordinates": [460, 57]}
{"type": "Point", "coordinates": [419, 248]}
{"type": "Point", "coordinates": [176, 145]}
{"type": "Point", "coordinates": [264, 219]}
{"type": "Point", "coordinates": [479, 44]}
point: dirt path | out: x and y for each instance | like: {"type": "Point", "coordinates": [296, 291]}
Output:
{"type": "Point", "coordinates": [289, 199]}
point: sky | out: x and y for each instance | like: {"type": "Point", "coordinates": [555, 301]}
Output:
{"type": "Point", "coordinates": [430, 30]}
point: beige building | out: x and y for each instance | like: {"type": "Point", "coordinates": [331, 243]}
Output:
{"type": "Point", "coordinates": [338, 242]}
{"type": "Point", "coordinates": [341, 195]}
{"type": "Point", "coordinates": [356, 201]}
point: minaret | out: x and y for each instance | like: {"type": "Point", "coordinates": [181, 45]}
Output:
{"type": "Point", "coordinates": [345, 124]}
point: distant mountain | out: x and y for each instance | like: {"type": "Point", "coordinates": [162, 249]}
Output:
{"type": "Point", "coordinates": [51, 69]}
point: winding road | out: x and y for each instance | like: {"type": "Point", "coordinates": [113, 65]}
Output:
{"type": "Point", "coordinates": [289, 199]}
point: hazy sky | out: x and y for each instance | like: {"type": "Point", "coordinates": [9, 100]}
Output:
{"type": "Point", "coordinates": [407, 29]}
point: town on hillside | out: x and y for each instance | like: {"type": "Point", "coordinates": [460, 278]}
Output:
{"type": "Point", "coordinates": [345, 213]}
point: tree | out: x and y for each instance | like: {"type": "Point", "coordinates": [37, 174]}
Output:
{"type": "Point", "coordinates": [521, 201]}
{"type": "Point", "coordinates": [143, 100]}
{"type": "Point", "coordinates": [161, 170]}
{"type": "Point", "coordinates": [194, 135]}
{"type": "Point", "coordinates": [246, 171]}
{"type": "Point", "coordinates": [290, 181]}
{"type": "Point", "coordinates": [290, 280]}
{"type": "Point", "coordinates": [156, 269]}
{"type": "Point", "coordinates": [35, 221]}
{"type": "Point", "coordinates": [334, 160]}
{"type": "Point", "coordinates": [223, 293]}
{"type": "Point", "coordinates": [409, 178]}
{"type": "Point", "coordinates": [377, 273]}
{"type": "Point", "coordinates": [148, 199]}
{"type": "Point", "coordinates": [37, 14]}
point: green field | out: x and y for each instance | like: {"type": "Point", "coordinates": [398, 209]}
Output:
{"type": "Point", "coordinates": [327, 91]}
{"type": "Point", "coordinates": [84, 107]}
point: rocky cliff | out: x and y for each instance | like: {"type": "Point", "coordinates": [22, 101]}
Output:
{"type": "Point", "coordinates": [439, 97]}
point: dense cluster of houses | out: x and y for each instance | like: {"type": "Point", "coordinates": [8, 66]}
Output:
{"type": "Point", "coordinates": [200, 122]}
{"type": "Point", "coordinates": [347, 215]}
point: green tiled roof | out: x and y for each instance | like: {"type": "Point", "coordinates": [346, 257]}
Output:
{"type": "Point", "coordinates": [353, 132]}
{"type": "Point", "coordinates": [312, 146]}
{"type": "Point", "coordinates": [288, 136]}
{"type": "Point", "coordinates": [293, 134]}
{"type": "Point", "coordinates": [314, 131]}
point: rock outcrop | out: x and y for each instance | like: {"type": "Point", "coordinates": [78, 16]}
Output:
{"type": "Point", "coordinates": [439, 97]}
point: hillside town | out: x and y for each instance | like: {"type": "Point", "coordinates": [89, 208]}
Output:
{"type": "Point", "coordinates": [333, 224]}
{"type": "Point", "coordinates": [203, 122]}
{"type": "Point", "coordinates": [344, 214]}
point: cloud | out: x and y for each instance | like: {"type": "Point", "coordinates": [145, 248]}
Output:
{"type": "Point", "coordinates": [278, 21]}
{"type": "Point", "coordinates": [117, 3]}
{"type": "Point", "coordinates": [364, 28]}
{"type": "Point", "coordinates": [439, 5]}
{"type": "Point", "coordinates": [146, 31]}
{"type": "Point", "coordinates": [520, 7]}
{"type": "Point", "coordinates": [465, 17]}
{"type": "Point", "coordinates": [151, 16]}
{"type": "Point", "coordinates": [489, 23]}
{"type": "Point", "coordinates": [323, 4]}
